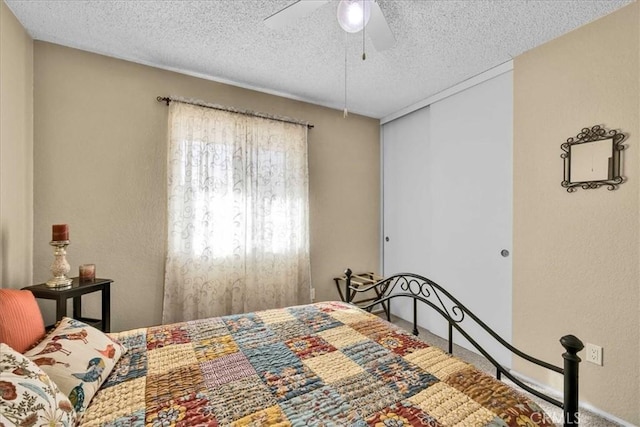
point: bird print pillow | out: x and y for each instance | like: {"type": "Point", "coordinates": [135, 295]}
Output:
{"type": "Point", "coordinates": [78, 358]}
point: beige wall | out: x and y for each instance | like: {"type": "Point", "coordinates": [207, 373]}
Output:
{"type": "Point", "coordinates": [100, 154]}
{"type": "Point", "coordinates": [16, 152]}
{"type": "Point", "coordinates": [575, 265]}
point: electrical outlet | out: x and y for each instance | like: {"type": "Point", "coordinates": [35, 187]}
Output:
{"type": "Point", "coordinates": [594, 354]}
{"type": "Point", "coordinates": [313, 294]}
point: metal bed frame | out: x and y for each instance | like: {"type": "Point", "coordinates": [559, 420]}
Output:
{"type": "Point", "coordinates": [420, 288]}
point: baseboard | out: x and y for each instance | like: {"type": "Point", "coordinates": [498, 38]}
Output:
{"type": "Point", "coordinates": [583, 405]}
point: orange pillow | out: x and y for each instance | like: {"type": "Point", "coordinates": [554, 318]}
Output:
{"type": "Point", "coordinates": [21, 324]}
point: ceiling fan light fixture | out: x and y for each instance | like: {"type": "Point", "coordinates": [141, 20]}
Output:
{"type": "Point", "coordinates": [351, 16]}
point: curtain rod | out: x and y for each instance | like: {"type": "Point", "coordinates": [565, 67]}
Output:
{"type": "Point", "coordinates": [168, 100]}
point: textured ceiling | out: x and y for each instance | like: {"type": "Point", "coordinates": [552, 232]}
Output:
{"type": "Point", "coordinates": [438, 43]}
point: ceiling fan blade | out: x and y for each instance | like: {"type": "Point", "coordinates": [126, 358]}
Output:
{"type": "Point", "coordinates": [293, 12]}
{"type": "Point", "coordinates": [379, 30]}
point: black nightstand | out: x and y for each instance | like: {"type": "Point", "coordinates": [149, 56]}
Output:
{"type": "Point", "coordinates": [75, 291]}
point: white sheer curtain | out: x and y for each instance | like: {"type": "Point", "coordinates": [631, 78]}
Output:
{"type": "Point", "coordinates": [238, 236]}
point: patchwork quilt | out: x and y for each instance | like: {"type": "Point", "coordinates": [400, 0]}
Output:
{"type": "Point", "coordinates": [324, 364]}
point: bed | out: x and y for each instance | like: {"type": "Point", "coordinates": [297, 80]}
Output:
{"type": "Point", "coordinates": [420, 289]}
{"type": "Point", "coordinates": [323, 364]}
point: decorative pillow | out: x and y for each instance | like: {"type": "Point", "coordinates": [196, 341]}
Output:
{"type": "Point", "coordinates": [78, 358]}
{"type": "Point", "coordinates": [28, 396]}
{"type": "Point", "coordinates": [21, 324]}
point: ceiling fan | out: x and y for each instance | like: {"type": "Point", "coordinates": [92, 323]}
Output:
{"type": "Point", "coordinates": [353, 16]}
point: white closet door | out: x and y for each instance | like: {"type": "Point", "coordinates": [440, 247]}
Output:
{"type": "Point", "coordinates": [406, 193]}
{"type": "Point", "coordinates": [464, 176]}
{"type": "Point", "coordinates": [406, 214]}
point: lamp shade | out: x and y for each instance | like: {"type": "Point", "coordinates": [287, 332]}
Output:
{"type": "Point", "coordinates": [353, 15]}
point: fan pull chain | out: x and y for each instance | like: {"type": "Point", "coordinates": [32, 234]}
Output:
{"type": "Point", "coordinates": [345, 113]}
{"type": "Point", "coordinates": [364, 25]}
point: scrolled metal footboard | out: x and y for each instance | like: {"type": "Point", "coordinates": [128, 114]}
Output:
{"type": "Point", "coordinates": [419, 288]}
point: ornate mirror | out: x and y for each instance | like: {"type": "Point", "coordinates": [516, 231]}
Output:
{"type": "Point", "coordinates": [592, 159]}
